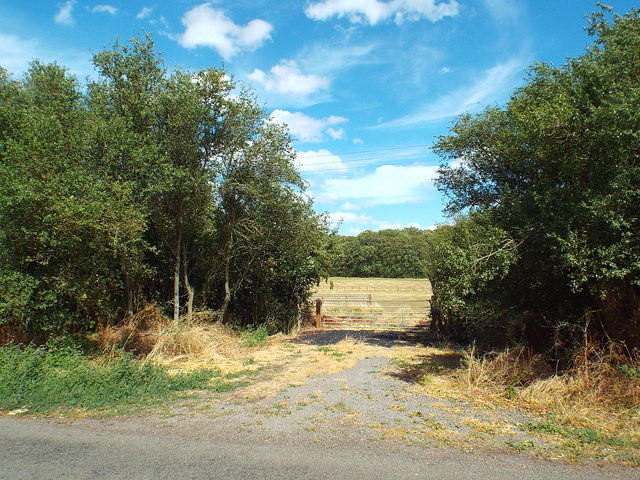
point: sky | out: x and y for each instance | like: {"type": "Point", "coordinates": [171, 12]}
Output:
{"type": "Point", "coordinates": [365, 86]}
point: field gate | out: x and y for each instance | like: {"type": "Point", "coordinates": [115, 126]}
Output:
{"type": "Point", "coordinates": [364, 312]}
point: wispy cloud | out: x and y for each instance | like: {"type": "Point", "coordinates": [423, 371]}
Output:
{"type": "Point", "coordinates": [308, 129]}
{"type": "Point", "coordinates": [504, 9]}
{"type": "Point", "coordinates": [206, 26]}
{"type": "Point", "coordinates": [372, 12]}
{"type": "Point", "coordinates": [64, 15]}
{"type": "Point", "coordinates": [111, 10]}
{"type": "Point", "coordinates": [492, 87]}
{"type": "Point", "coordinates": [16, 53]}
{"type": "Point", "coordinates": [144, 13]}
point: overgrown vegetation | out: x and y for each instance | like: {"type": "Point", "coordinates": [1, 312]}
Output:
{"type": "Point", "coordinates": [146, 187]}
{"type": "Point", "coordinates": [545, 250]}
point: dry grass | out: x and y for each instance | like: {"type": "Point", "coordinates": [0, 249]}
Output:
{"type": "Point", "coordinates": [596, 393]}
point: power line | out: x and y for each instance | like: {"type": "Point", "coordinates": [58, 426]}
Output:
{"type": "Point", "coordinates": [364, 159]}
{"type": "Point", "coordinates": [368, 151]}
{"type": "Point", "coordinates": [348, 168]}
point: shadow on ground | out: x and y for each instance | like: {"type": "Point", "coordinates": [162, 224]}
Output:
{"type": "Point", "coordinates": [379, 338]}
{"type": "Point", "coordinates": [422, 366]}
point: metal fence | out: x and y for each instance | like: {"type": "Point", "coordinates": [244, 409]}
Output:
{"type": "Point", "coordinates": [365, 312]}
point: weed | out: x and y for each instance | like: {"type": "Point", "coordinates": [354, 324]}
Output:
{"type": "Point", "coordinates": [523, 446]}
{"type": "Point", "coordinates": [254, 336]}
{"type": "Point", "coordinates": [584, 435]}
{"type": "Point", "coordinates": [334, 353]}
{"type": "Point", "coordinates": [339, 407]}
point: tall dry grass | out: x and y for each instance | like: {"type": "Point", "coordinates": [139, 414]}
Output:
{"type": "Point", "coordinates": [202, 342]}
{"type": "Point", "coordinates": [601, 390]}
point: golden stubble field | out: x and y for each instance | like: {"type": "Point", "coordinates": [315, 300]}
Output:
{"type": "Point", "coordinates": [392, 288]}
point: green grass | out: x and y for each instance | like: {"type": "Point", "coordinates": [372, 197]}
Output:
{"type": "Point", "coordinates": [65, 380]}
{"type": "Point", "coordinates": [334, 353]}
{"type": "Point", "coordinates": [254, 336]}
{"type": "Point", "coordinates": [583, 435]}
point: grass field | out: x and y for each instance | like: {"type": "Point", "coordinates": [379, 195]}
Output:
{"type": "Point", "coordinates": [392, 288]}
{"type": "Point", "coordinates": [374, 302]}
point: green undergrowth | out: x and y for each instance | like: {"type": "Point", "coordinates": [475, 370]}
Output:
{"type": "Point", "coordinates": [65, 380]}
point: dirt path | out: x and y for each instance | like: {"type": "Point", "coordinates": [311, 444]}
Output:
{"type": "Point", "coordinates": [328, 407]}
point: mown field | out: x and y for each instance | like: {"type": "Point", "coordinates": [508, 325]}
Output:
{"type": "Point", "coordinates": [392, 288]}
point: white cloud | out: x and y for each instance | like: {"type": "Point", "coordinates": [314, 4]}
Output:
{"type": "Point", "coordinates": [16, 53]}
{"type": "Point", "coordinates": [373, 12]}
{"type": "Point", "coordinates": [386, 225]}
{"type": "Point", "coordinates": [349, 217]}
{"type": "Point", "coordinates": [313, 161]}
{"type": "Point", "coordinates": [286, 78]}
{"type": "Point", "coordinates": [358, 141]}
{"type": "Point", "coordinates": [111, 10]}
{"type": "Point", "coordinates": [209, 27]}
{"type": "Point", "coordinates": [144, 13]}
{"type": "Point", "coordinates": [388, 184]}
{"type": "Point", "coordinates": [64, 16]}
{"type": "Point", "coordinates": [337, 133]}
{"type": "Point", "coordinates": [490, 88]}
{"type": "Point", "coordinates": [305, 128]}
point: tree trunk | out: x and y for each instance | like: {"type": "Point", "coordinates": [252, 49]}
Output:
{"type": "Point", "coordinates": [187, 285]}
{"type": "Point", "coordinates": [227, 291]}
{"type": "Point", "coordinates": [227, 282]}
{"type": "Point", "coordinates": [176, 276]}
{"type": "Point", "coordinates": [130, 296]}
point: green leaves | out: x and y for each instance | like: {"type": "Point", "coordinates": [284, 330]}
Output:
{"type": "Point", "coordinates": [141, 190]}
{"type": "Point", "coordinates": [557, 171]}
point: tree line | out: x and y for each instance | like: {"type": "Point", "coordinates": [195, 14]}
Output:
{"type": "Point", "coordinates": [147, 187]}
{"type": "Point", "coordinates": [385, 254]}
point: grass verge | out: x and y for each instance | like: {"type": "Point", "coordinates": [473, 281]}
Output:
{"type": "Point", "coordinates": [39, 381]}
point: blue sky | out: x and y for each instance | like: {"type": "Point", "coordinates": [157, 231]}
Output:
{"type": "Point", "coordinates": [364, 85]}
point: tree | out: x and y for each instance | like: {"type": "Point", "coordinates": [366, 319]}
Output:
{"type": "Point", "coordinates": [59, 222]}
{"type": "Point", "coordinates": [150, 188]}
{"type": "Point", "coordinates": [557, 169]}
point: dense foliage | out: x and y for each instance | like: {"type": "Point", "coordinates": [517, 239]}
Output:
{"type": "Point", "coordinates": [385, 254]}
{"type": "Point", "coordinates": [147, 186]}
{"type": "Point", "coordinates": [551, 185]}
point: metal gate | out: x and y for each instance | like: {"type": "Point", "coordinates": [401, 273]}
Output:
{"type": "Point", "coordinates": [365, 312]}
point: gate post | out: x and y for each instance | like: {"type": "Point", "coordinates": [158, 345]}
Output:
{"type": "Point", "coordinates": [319, 313]}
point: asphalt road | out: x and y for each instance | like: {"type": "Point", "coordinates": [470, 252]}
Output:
{"type": "Point", "coordinates": [37, 450]}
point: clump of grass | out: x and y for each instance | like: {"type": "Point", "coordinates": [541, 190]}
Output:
{"type": "Point", "coordinates": [66, 380]}
{"type": "Point", "coordinates": [195, 341]}
{"type": "Point", "coordinates": [599, 392]}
